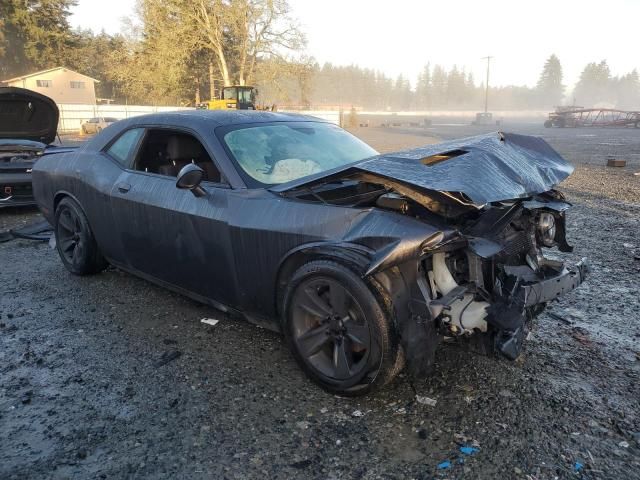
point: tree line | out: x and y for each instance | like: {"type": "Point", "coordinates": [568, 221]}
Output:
{"type": "Point", "coordinates": [179, 52]}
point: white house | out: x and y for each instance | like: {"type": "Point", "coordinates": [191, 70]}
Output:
{"type": "Point", "coordinates": [60, 84]}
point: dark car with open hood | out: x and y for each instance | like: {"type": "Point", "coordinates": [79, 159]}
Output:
{"type": "Point", "coordinates": [28, 125]}
{"type": "Point", "coordinates": [365, 262]}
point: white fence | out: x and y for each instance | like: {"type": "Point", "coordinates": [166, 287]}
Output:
{"type": "Point", "coordinates": [72, 115]}
{"type": "Point", "coordinates": [328, 115]}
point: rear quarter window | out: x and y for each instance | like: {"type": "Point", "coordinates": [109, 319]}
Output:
{"type": "Point", "coordinates": [123, 148]}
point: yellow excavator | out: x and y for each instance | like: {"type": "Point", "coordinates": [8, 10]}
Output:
{"type": "Point", "coordinates": [235, 97]}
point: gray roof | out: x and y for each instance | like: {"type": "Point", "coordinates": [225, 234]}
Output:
{"type": "Point", "coordinates": [203, 120]}
{"type": "Point", "coordinates": [223, 117]}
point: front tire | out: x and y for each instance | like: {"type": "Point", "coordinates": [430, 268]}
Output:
{"type": "Point", "coordinates": [75, 243]}
{"type": "Point", "coordinates": [338, 330]}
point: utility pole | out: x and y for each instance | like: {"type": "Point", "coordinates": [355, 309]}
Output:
{"type": "Point", "coordinates": [486, 91]}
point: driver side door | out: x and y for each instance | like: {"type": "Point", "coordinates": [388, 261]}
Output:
{"type": "Point", "coordinates": [169, 234]}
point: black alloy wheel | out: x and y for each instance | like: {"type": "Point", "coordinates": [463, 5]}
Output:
{"type": "Point", "coordinates": [337, 330]}
{"type": "Point", "coordinates": [74, 240]}
{"type": "Point", "coordinates": [69, 235]}
{"type": "Point", "coordinates": [330, 329]}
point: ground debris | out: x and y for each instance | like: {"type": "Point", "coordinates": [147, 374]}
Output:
{"type": "Point", "coordinates": [581, 335]}
{"type": "Point", "coordinates": [467, 450]}
{"type": "Point", "coordinates": [555, 316]}
{"type": "Point", "coordinates": [167, 357]}
{"type": "Point", "coordinates": [210, 321]}
{"type": "Point", "coordinates": [26, 397]}
{"type": "Point", "coordinates": [423, 400]}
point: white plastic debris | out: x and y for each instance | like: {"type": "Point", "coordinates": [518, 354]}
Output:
{"type": "Point", "coordinates": [209, 321]}
{"type": "Point", "coordinates": [426, 400]}
{"type": "Point", "coordinates": [357, 413]}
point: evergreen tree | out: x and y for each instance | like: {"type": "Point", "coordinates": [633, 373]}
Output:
{"type": "Point", "coordinates": [439, 86]}
{"type": "Point", "coordinates": [550, 88]}
{"type": "Point", "coordinates": [594, 85]}
{"type": "Point", "coordinates": [423, 88]}
{"type": "Point", "coordinates": [35, 35]}
{"type": "Point", "coordinates": [402, 93]}
{"type": "Point", "coordinates": [628, 91]}
{"type": "Point", "coordinates": [456, 87]}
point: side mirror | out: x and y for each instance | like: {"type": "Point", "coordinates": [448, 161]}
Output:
{"type": "Point", "coordinates": [189, 178]}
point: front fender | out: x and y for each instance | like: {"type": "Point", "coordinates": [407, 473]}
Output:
{"type": "Point", "coordinates": [355, 256]}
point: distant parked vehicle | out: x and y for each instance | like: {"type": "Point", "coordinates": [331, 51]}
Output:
{"type": "Point", "coordinates": [97, 124]}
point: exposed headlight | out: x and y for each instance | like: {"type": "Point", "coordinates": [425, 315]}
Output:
{"type": "Point", "coordinates": [547, 229]}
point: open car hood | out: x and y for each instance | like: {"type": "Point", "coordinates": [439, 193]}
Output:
{"type": "Point", "coordinates": [27, 115]}
{"type": "Point", "coordinates": [478, 170]}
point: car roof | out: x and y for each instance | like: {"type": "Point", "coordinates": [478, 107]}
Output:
{"type": "Point", "coordinates": [222, 117]}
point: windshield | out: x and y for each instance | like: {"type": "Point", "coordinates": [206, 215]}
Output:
{"type": "Point", "coordinates": [273, 154]}
{"type": "Point", "coordinates": [245, 95]}
{"type": "Point", "coordinates": [229, 93]}
{"type": "Point", "coordinates": [242, 95]}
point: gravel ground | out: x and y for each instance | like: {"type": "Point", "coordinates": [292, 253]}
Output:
{"type": "Point", "coordinates": [88, 387]}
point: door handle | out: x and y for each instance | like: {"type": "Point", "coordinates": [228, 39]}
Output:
{"type": "Point", "coordinates": [124, 187]}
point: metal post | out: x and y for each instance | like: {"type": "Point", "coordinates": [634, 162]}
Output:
{"type": "Point", "coordinates": [486, 91]}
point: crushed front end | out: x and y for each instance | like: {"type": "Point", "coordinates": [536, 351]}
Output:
{"type": "Point", "coordinates": [486, 284]}
{"type": "Point", "coordinates": [16, 162]}
{"type": "Point", "coordinates": [471, 250]}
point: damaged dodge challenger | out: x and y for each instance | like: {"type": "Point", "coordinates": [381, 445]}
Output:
{"type": "Point", "coordinates": [365, 262]}
{"type": "Point", "coordinates": [28, 125]}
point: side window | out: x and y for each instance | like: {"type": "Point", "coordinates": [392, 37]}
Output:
{"type": "Point", "coordinates": [123, 148]}
{"type": "Point", "coordinates": [165, 152]}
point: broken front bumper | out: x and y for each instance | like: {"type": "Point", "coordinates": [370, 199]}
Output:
{"type": "Point", "coordinates": [508, 314]}
{"type": "Point", "coordinates": [15, 189]}
{"type": "Point", "coordinates": [552, 287]}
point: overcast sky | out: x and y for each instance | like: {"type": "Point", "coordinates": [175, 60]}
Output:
{"type": "Point", "coordinates": [400, 36]}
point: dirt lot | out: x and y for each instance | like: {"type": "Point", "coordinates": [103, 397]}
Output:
{"type": "Point", "coordinates": [84, 392]}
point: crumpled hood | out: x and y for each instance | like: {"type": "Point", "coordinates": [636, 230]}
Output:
{"type": "Point", "coordinates": [27, 115]}
{"type": "Point", "coordinates": [485, 168]}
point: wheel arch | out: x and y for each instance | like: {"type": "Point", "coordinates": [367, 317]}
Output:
{"type": "Point", "coordinates": [57, 198]}
{"type": "Point", "coordinates": [351, 255]}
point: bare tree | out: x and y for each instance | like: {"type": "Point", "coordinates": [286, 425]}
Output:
{"type": "Point", "coordinates": [237, 33]}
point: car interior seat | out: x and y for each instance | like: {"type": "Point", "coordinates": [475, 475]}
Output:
{"type": "Point", "coordinates": [181, 150]}
{"type": "Point", "coordinates": [184, 149]}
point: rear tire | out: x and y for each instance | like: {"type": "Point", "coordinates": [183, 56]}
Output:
{"type": "Point", "coordinates": [338, 331]}
{"type": "Point", "coordinates": [75, 242]}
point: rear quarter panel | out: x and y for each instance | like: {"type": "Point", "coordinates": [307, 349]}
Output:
{"type": "Point", "coordinates": [88, 178]}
